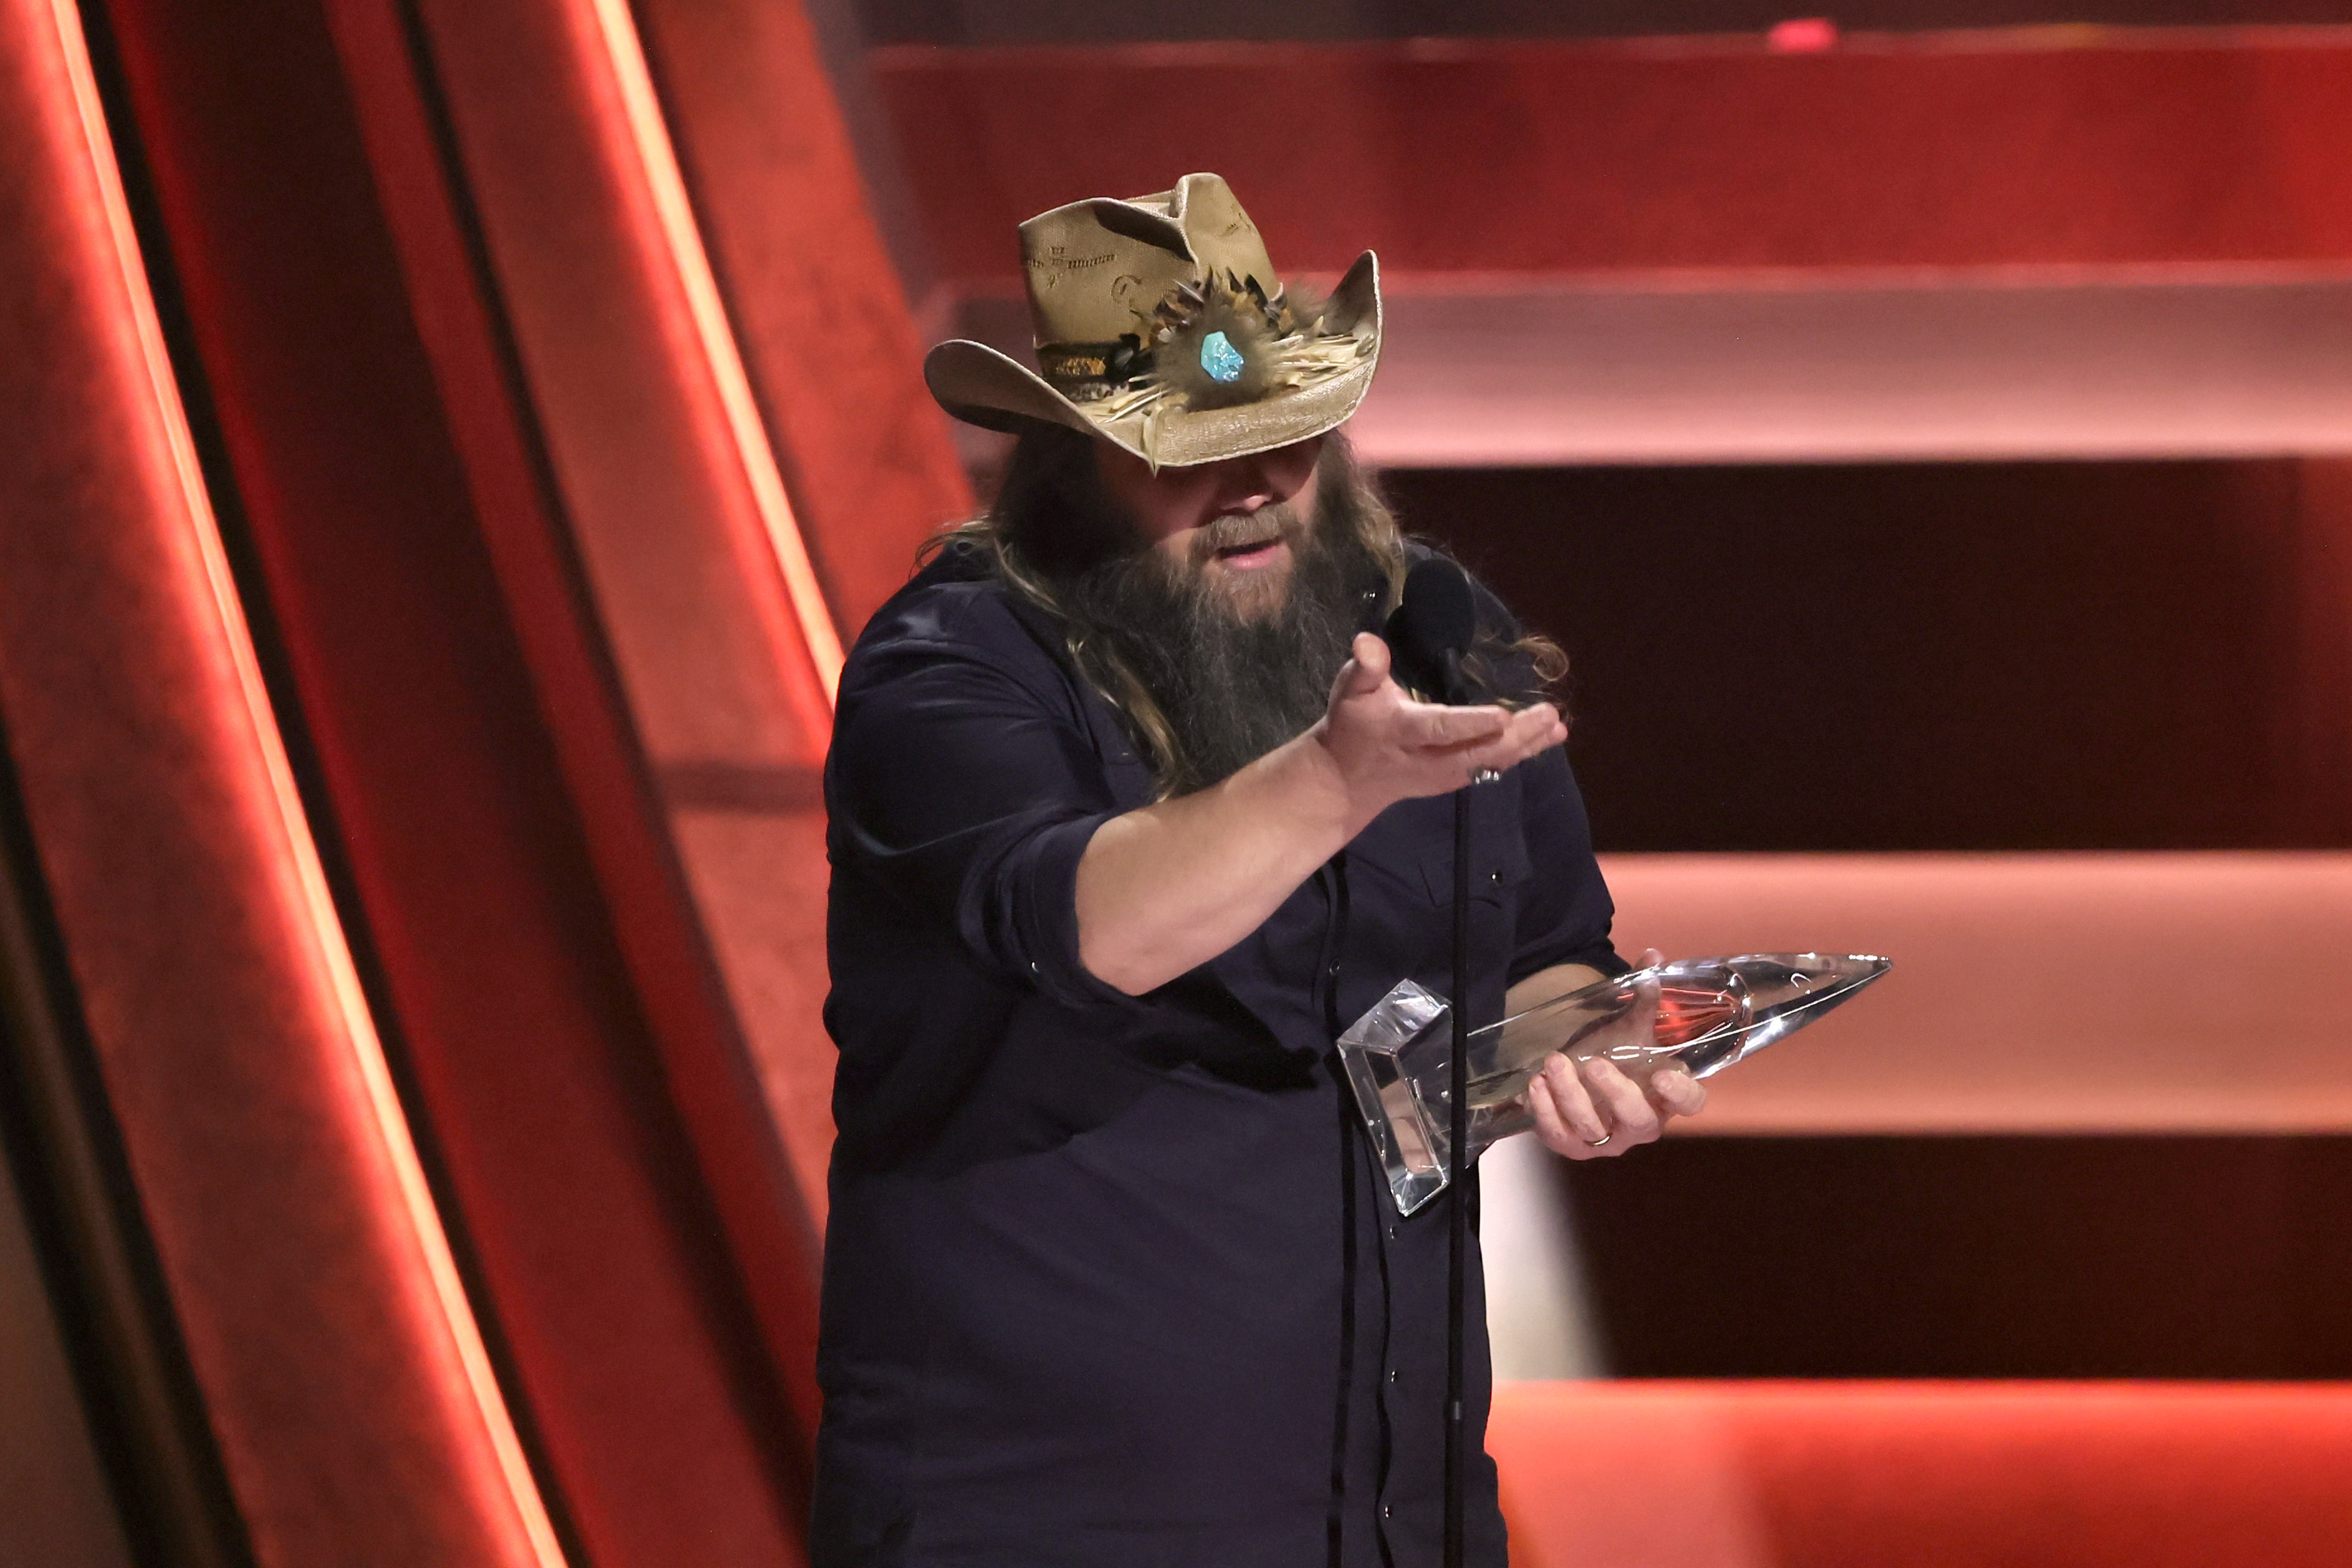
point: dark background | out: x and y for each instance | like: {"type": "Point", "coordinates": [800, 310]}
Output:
{"type": "Point", "coordinates": [1925, 656]}
{"type": "Point", "coordinates": [1879, 1257]}
{"type": "Point", "coordinates": [1939, 655]}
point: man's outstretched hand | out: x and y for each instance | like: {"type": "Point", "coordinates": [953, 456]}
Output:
{"type": "Point", "coordinates": [1386, 747]}
{"type": "Point", "coordinates": [1173, 884]}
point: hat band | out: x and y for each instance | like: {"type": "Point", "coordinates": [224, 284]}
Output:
{"type": "Point", "coordinates": [1087, 373]}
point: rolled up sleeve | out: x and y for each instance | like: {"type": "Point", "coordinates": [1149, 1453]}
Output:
{"type": "Point", "coordinates": [970, 799]}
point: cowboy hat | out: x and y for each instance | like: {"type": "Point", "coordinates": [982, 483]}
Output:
{"type": "Point", "coordinates": [1162, 328]}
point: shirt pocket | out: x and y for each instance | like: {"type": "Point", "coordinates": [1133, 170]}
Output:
{"type": "Point", "coordinates": [1412, 845]}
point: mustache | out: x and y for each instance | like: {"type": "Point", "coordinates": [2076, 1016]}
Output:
{"type": "Point", "coordinates": [1243, 529]}
{"type": "Point", "coordinates": [1236, 531]}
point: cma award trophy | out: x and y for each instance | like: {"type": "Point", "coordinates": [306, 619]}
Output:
{"type": "Point", "coordinates": [1711, 1012]}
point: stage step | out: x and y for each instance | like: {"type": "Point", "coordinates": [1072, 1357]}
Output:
{"type": "Point", "coordinates": [1896, 1475]}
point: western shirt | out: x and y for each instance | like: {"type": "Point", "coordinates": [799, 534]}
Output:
{"type": "Point", "coordinates": [1112, 1279]}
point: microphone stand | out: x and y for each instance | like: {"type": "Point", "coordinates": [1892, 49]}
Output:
{"type": "Point", "coordinates": [1435, 620]}
{"type": "Point", "coordinates": [1457, 1238]}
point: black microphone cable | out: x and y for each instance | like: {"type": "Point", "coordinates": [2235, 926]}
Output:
{"type": "Point", "coordinates": [1428, 634]}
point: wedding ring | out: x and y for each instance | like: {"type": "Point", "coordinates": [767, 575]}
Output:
{"type": "Point", "coordinates": [1596, 1142]}
{"type": "Point", "coordinates": [1485, 775]}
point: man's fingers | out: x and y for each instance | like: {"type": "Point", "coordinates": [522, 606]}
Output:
{"type": "Point", "coordinates": [1528, 731]}
{"type": "Point", "coordinates": [1439, 747]}
{"type": "Point", "coordinates": [1432, 728]}
{"type": "Point", "coordinates": [1523, 737]}
{"type": "Point", "coordinates": [1552, 1125]}
{"type": "Point", "coordinates": [1636, 1120]}
{"type": "Point", "coordinates": [1502, 737]}
{"type": "Point", "coordinates": [1642, 1016]}
{"type": "Point", "coordinates": [1576, 1114]}
{"type": "Point", "coordinates": [1368, 667]}
{"type": "Point", "coordinates": [1678, 1093]}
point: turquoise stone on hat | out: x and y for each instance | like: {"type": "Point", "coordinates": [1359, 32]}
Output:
{"type": "Point", "coordinates": [1220, 358]}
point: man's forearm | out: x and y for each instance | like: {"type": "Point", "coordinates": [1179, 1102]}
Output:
{"type": "Point", "coordinates": [1169, 887]}
{"type": "Point", "coordinates": [1546, 983]}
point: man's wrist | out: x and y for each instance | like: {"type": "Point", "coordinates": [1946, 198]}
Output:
{"type": "Point", "coordinates": [1328, 791]}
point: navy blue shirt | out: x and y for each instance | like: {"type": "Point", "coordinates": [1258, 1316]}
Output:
{"type": "Point", "coordinates": [1115, 1280]}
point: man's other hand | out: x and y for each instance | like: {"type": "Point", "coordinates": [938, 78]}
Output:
{"type": "Point", "coordinates": [1387, 747]}
{"type": "Point", "coordinates": [1590, 1110]}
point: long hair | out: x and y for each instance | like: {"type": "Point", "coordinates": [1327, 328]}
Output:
{"type": "Point", "coordinates": [1054, 518]}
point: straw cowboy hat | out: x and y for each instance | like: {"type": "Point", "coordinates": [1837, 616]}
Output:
{"type": "Point", "coordinates": [1162, 328]}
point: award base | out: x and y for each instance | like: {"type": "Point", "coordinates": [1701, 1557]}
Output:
{"type": "Point", "coordinates": [1711, 1012]}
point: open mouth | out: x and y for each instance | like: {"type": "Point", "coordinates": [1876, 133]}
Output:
{"type": "Point", "coordinates": [1256, 553]}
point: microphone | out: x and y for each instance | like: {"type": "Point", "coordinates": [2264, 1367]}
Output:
{"type": "Point", "coordinates": [1430, 628]}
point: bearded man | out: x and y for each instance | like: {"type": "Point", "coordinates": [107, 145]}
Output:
{"type": "Point", "coordinates": [1128, 819]}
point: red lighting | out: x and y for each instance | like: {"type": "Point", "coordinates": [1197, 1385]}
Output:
{"type": "Point", "coordinates": [1802, 35]}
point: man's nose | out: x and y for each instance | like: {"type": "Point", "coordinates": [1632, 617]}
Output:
{"type": "Point", "coordinates": [1247, 488]}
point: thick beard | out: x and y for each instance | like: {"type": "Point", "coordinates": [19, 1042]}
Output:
{"type": "Point", "coordinates": [1233, 676]}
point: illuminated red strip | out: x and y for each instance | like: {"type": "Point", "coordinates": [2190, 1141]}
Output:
{"type": "Point", "coordinates": [412, 1197]}
{"type": "Point", "coordinates": [1891, 1473]}
{"type": "Point", "coordinates": [1585, 158]}
{"type": "Point", "coordinates": [658, 160]}
{"type": "Point", "coordinates": [2180, 1006]}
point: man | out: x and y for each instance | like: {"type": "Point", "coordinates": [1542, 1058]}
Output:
{"type": "Point", "coordinates": [1129, 819]}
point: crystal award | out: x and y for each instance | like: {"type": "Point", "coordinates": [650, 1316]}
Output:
{"type": "Point", "coordinates": [1711, 1012]}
